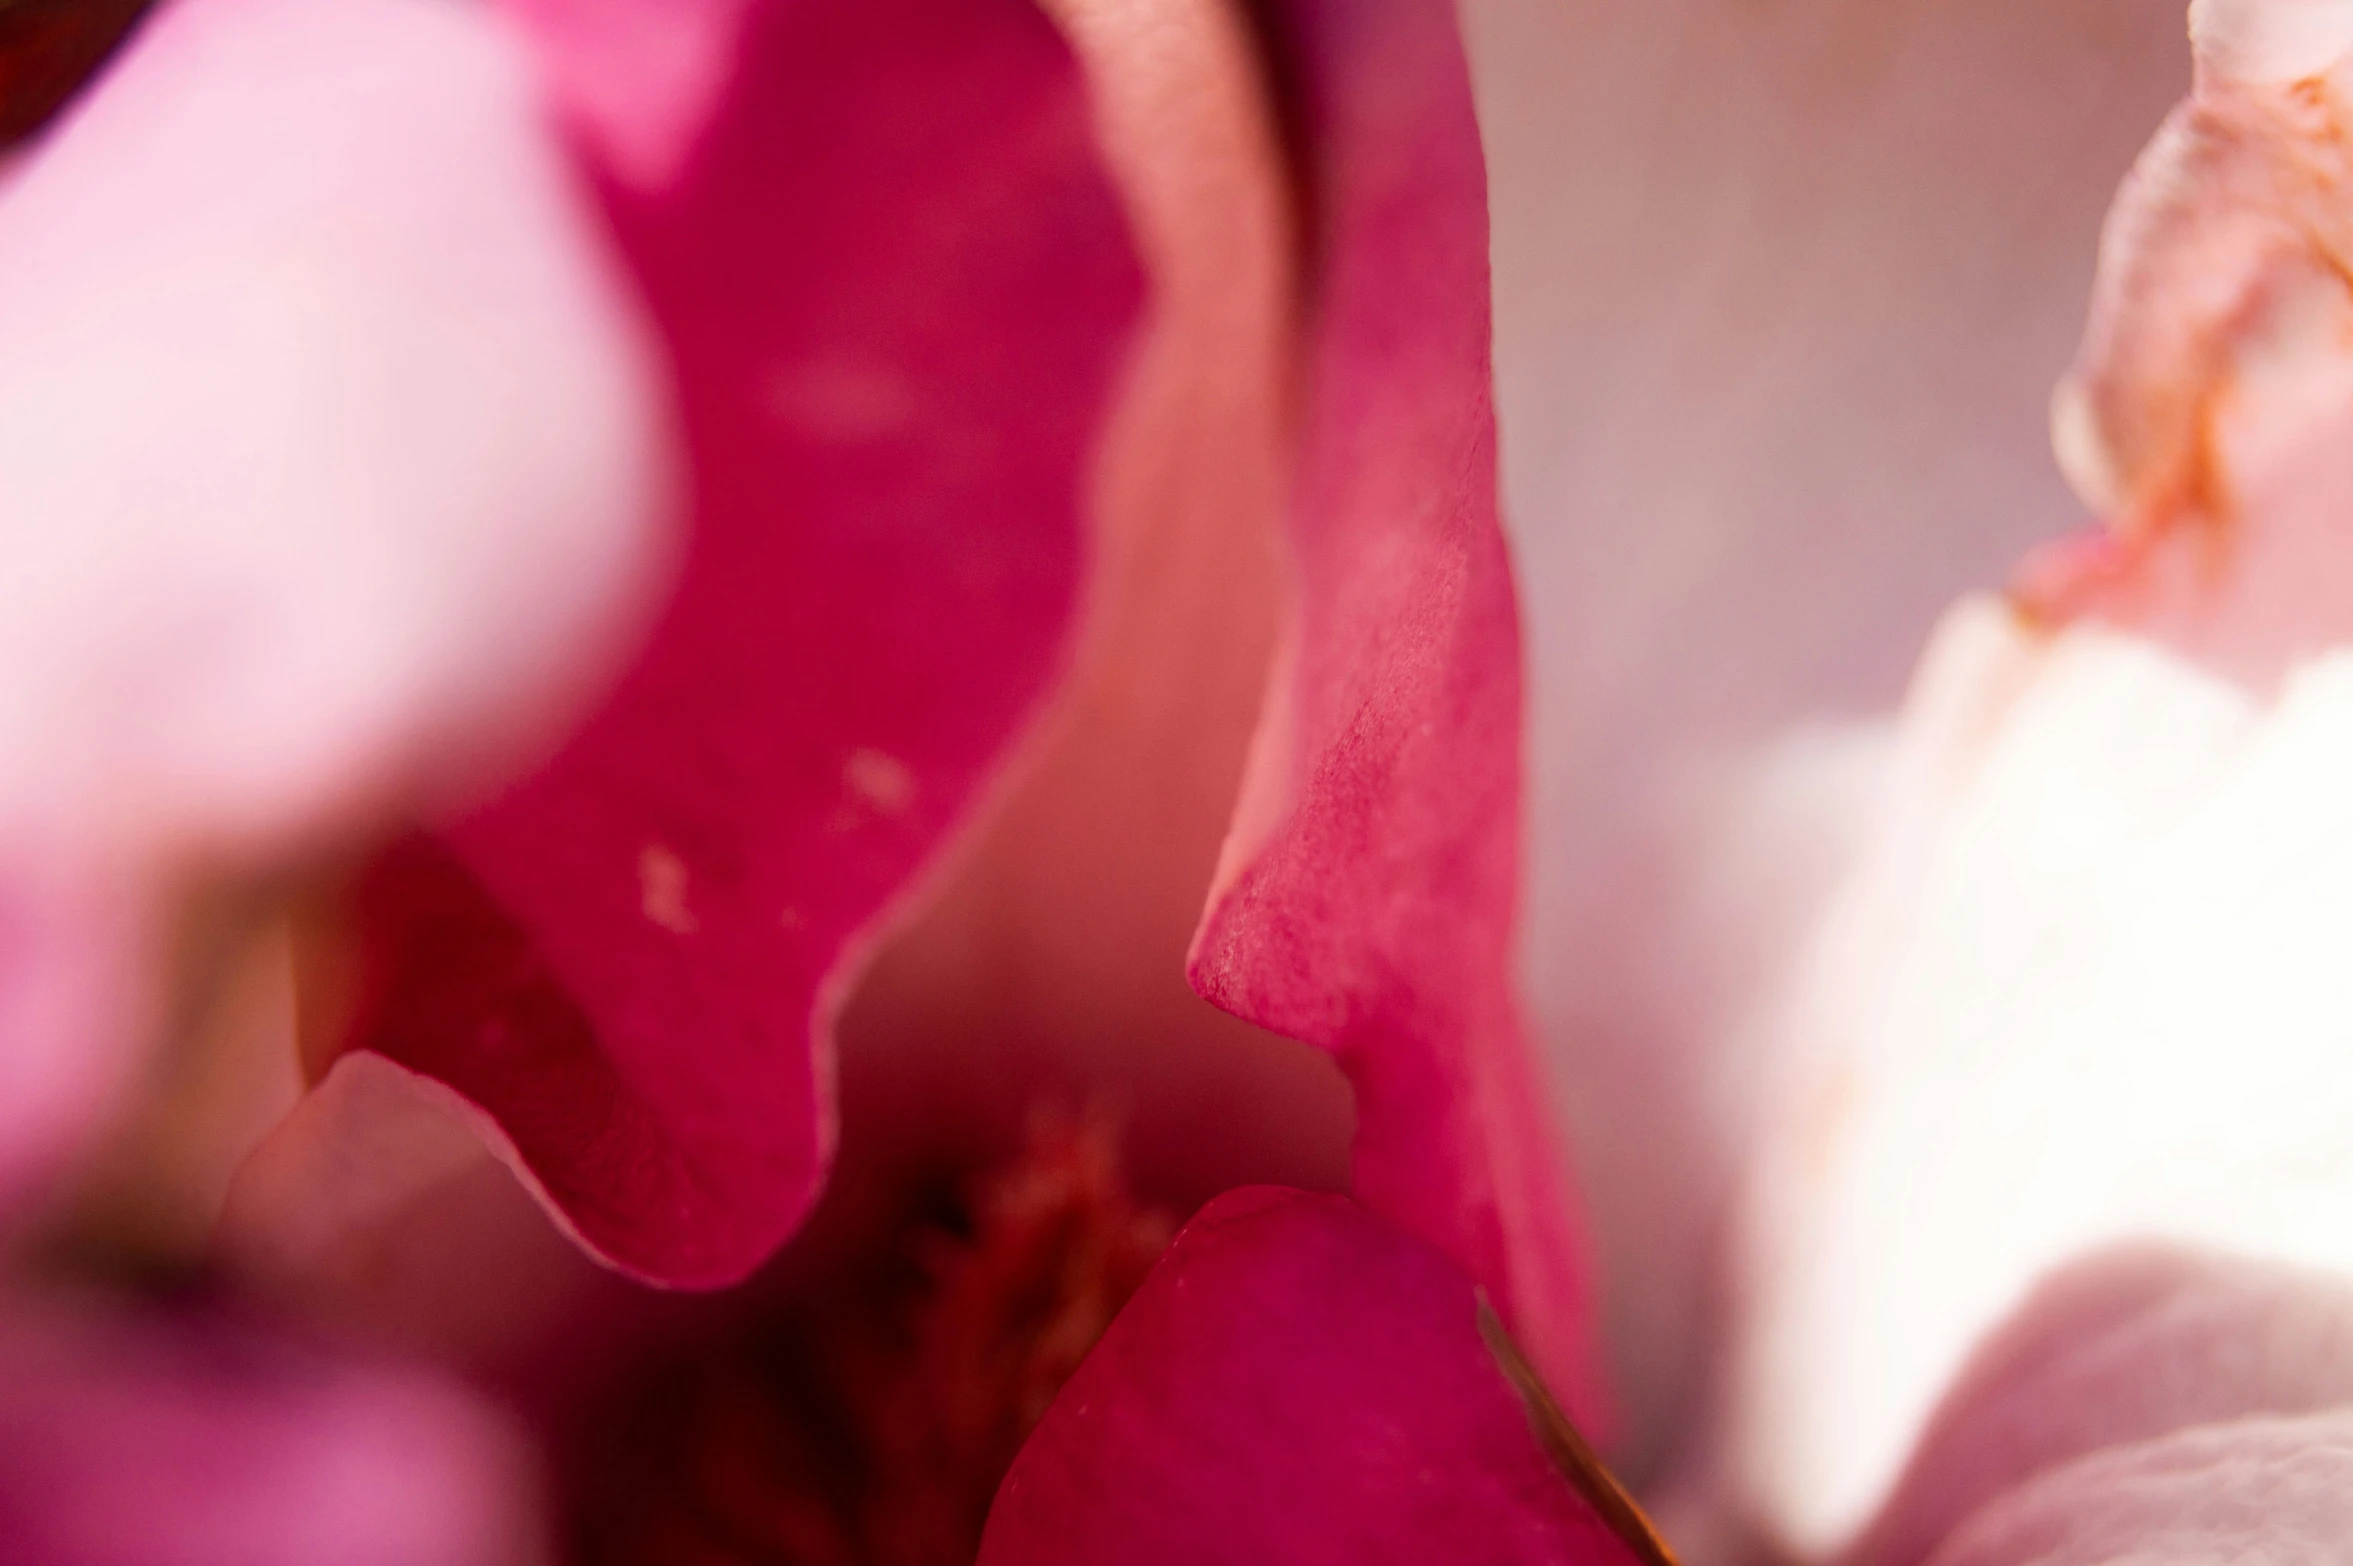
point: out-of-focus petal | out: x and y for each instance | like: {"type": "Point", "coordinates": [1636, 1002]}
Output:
{"type": "Point", "coordinates": [1781, 291]}
{"type": "Point", "coordinates": [2125, 1347]}
{"type": "Point", "coordinates": [1050, 965]}
{"type": "Point", "coordinates": [1366, 895]}
{"type": "Point", "coordinates": [2209, 416]}
{"type": "Point", "coordinates": [896, 293]}
{"type": "Point", "coordinates": [2271, 40]}
{"type": "Point", "coordinates": [130, 1444]}
{"type": "Point", "coordinates": [1297, 1381]}
{"type": "Point", "coordinates": [2009, 1031]}
{"type": "Point", "coordinates": [370, 1141]}
{"type": "Point", "coordinates": [377, 1207]}
{"type": "Point", "coordinates": [2256, 1490]}
{"type": "Point", "coordinates": [330, 468]}
{"type": "Point", "coordinates": [2083, 987]}
{"type": "Point", "coordinates": [154, 1185]}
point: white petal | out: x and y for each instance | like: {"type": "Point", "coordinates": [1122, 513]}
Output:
{"type": "Point", "coordinates": [2086, 986]}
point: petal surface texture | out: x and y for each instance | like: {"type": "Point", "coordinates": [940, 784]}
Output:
{"type": "Point", "coordinates": [1299, 1382]}
{"type": "Point", "coordinates": [1366, 897]}
{"type": "Point", "coordinates": [2128, 1346]}
{"type": "Point", "coordinates": [2274, 1491]}
{"type": "Point", "coordinates": [331, 474]}
{"type": "Point", "coordinates": [2082, 986]}
{"type": "Point", "coordinates": [147, 1444]}
{"type": "Point", "coordinates": [896, 293]}
{"type": "Point", "coordinates": [1781, 292]}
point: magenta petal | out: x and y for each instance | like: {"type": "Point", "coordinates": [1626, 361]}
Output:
{"type": "Point", "coordinates": [130, 1444]}
{"type": "Point", "coordinates": [895, 290]}
{"type": "Point", "coordinates": [1296, 1382]}
{"type": "Point", "coordinates": [1367, 899]}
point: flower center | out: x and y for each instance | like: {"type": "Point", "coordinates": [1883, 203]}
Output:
{"type": "Point", "coordinates": [869, 1423]}
{"type": "Point", "coordinates": [48, 49]}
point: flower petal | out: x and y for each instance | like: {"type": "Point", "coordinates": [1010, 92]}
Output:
{"type": "Point", "coordinates": [2082, 986]}
{"type": "Point", "coordinates": [1780, 294]}
{"type": "Point", "coordinates": [1367, 891]}
{"type": "Point", "coordinates": [1048, 968]}
{"type": "Point", "coordinates": [331, 472]}
{"type": "Point", "coordinates": [895, 291]}
{"type": "Point", "coordinates": [1297, 1382]}
{"type": "Point", "coordinates": [2206, 415]}
{"type": "Point", "coordinates": [137, 1444]}
{"type": "Point", "coordinates": [376, 1210]}
{"type": "Point", "coordinates": [2250, 1490]}
{"type": "Point", "coordinates": [2125, 1347]}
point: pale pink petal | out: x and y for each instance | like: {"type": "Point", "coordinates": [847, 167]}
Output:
{"type": "Point", "coordinates": [1365, 901]}
{"type": "Point", "coordinates": [2208, 414]}
{"type": "Point", "coordinates": [1781, 294]}
{"type": "Point", "coordinates": [186, 1444]}
{"type": "Point", "coordinates": [2271, 40]}
{"type": "Point", "coordinates": [895, 293]}
{"type": "Point", "coordinates": [330, 464]}
{"type": "Point", "coordinates": [2273, 1491]}
{"type": "Point", "coordinates": [2121, 1348]}
{"type": "Point", "coordinates": [1296, 1382]}
{"type": "Point", "coordinates": [2084, 985]}
{"type": "Point", "coordinates": [376, 1207]}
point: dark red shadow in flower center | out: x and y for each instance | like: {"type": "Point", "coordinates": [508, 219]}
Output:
{"type": "Point", "coordinates": [49, 49]}
{"type": "Point", "coordinates": [868, 1419]}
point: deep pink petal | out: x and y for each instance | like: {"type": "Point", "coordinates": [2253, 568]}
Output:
{"type": "Point", "coordinates": [895, 290]}
{"type": "Point", "coordinates": [1297, 1381]}
{"type": "Point", "coordinates": [136, 1444]}
{"type": "Point", "coordinates": [1050, 966]}
{"type": "Point", "coordinates": [1367, 896]}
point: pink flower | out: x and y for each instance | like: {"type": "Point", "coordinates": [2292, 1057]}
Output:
{"type": "Point", "coordinates": [774, 571]}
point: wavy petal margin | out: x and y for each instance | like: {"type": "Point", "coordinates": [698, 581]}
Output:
{"type": "Point", "coordinates": [897, 293]}
{"type": "Point", "coordinates": [1297, 1381]}
{"type": "Point", "coordinates": [1368, 891]}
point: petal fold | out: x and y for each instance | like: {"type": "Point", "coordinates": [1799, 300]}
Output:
{"type": "Point", "coordinates": [895, 292]}
{"type": "Point", "coordinates": [1366, 896]}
